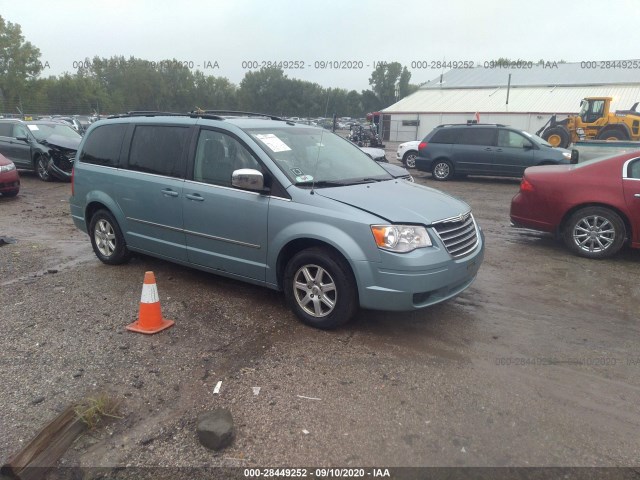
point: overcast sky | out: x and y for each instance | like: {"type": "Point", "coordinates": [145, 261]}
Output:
{"type": "Point", "coordinates": [362, 32]}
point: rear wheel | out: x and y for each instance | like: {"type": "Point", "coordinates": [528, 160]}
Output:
{"type": "Point", "coordinates": [409, 159]}
{"type": "Point", "coordinates": [594, 232]}
{"type": "Point", "coordinates": [557, 137]}
{"type": "Point", "coordinates": [320, 289]}
{"type": "Point", "coordinates": [442, 170]}
{"type": "Point", "coordinates": [613, 135]}
{"type": "Point", "coordinates": [107, 239]}
{"type": "Point", "coordinates": [42, 168]}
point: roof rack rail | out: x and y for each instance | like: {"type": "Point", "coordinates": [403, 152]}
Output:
{"type": "Point", "coordinates": [237, 113]}
{"type": "Point", "coordinates": [470, 124]}
{"type": "Point", "coordinates": [153, 113]}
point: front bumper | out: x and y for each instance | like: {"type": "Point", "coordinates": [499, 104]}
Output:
{"type": "Point", "coordinates": [419, 279]}
{"type": "Point", "coordinates": [9, 182]}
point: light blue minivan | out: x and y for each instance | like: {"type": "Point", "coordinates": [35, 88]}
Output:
{"type": "Point", "coordinates": [290, 207]}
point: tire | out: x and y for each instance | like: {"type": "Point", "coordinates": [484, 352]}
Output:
{"type": "Point", "coordinates": [613, 134]}
{"type": "Point", "coordinates": [107, 239]}
{"type": "Point", "coordinates": [339, 299]}
{"type": "Point", "coordinates": [557, 137]}
{"type": "Point", "coordinates": [594, 232]}
{"type": "Point", "coordinates": [442, 170]}
{"type": "Point", "coordinates": [409, 159]}
{"type": "Point", "coordinates": [41, 167]}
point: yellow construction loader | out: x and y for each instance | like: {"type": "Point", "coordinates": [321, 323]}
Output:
{"type": "Point", "coordinates": [594, 121]}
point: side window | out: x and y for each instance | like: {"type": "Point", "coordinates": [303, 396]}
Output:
{"type": "Point", "coordinates": [19, 131]}
{"type": "Point", "coordinates": [444, 135]}
{"type": "Point", "coordinates": [103, 145]}
{"type": "Point", "coordinates": [477, 136]}
{"type": "Point", "coordinates": [507, 138]}
{"type": "Point", "coordinates": [633, 170]}
{"type": "Point", "coordinates": [217, 156]}
{"type": "Point", "coordinates": [6, 129]}
{"type": "Point", "coordinates": [158, 149]}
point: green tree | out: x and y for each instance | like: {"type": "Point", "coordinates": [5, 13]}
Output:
{"type": "Point", "coordinates": [383, 81]}
{"type": "Point", "coordinates": [404, 87]}
{"type": "Point", "coordinates": [19, 64]}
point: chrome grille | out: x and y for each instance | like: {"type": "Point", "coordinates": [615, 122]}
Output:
{"type": "Point", "coordinates": [459, 234]}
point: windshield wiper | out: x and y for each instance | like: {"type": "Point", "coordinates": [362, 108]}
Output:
{"type": "Point", "coordinates": [321, 183]}
{"type": "Point", "coordinates": [368, 180]}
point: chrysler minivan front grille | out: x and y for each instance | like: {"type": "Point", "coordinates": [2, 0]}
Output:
{"type": "Point", "coordinates": [459, 234]}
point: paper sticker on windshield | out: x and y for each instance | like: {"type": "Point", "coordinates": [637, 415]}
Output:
{"type": "Point", "coordinates": [33, 127]}
{"type": "Point", "coordinates": [273, 142]}
{"type": "Point", "coordinates": [304, 178]}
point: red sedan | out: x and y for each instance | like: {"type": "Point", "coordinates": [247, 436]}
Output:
{"type": "Point", "coordinates": [594, 206]}
{"type": "Point", "coordinates": [9, 180]}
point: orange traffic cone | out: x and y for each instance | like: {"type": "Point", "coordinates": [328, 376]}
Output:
{"type": "Point", "coordinates": [150, 317]}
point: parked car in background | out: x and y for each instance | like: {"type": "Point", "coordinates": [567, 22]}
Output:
{"type": "Point", "coordinates": [484, 149]}
{"type": "Point", "coordinates": [84, 121]}
{"type": "Point", "coordinates": [407, 153]}
{"type": "Point", "coordinates": [379, 156]}
{"type": "Point", "coordinates": [71, 121]}
{"type": "Point", "coordinates": [593, 206]}
{"type": "Point", "coordinates": [286, 206]}
{"type": "Point", "coordinates": [46, 146]}
{"type": "Point", "coordinates": [9, 178]}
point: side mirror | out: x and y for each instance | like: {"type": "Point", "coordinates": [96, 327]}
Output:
{"type": "Point", "coordinates": [248, 179]}
{"type": "Point", "coordinates": [574, 156]}
{"type": "Point", "coordinates": [527, 146]}
{"type": "Point", "coordinates": [23, 138]}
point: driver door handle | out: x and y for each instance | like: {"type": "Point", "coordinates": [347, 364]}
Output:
{"type": "Point", "coordinates": [637, 195]}
{"type": "Point", "coordinates": [169, 193]}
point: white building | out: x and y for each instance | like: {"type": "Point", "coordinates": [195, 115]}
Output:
{"type": "Point", "coordinates": [525, 101]}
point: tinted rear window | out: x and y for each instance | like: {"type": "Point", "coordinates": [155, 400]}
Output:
{"type": "Point", "coordinates": [103, 145]}
{"type": "Point", "coordinates": [477, 136]}
{"type": "Point", "coordinates": [6, 129]}
{"type": "Point", "coordinates": [159, 150]}
{"type": "Point", "coordinates": [444, 135]}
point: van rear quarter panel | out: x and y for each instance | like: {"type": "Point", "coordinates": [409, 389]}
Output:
{"type": "Point", "coordinates": [95, 184]}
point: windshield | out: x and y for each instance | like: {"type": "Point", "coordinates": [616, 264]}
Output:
{"type": "Point", "coordinates": [313, 156]}
{"type": "Point", "coordinates": [42, 131]}
{"type": "Point", "coordinates": [538, 139]}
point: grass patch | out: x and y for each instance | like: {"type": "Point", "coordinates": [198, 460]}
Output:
{"type": "Point", "coordinates": [93, 410]}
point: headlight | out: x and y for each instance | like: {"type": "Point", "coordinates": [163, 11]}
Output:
{"type": "Point", "coordinates": [7, 168]}
{"type": "Point", "coordinates": [566, 155]}
{"type": "Point", "coordinates": [400, 238]}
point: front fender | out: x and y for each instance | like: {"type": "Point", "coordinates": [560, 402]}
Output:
{"type": "Point", "coordinates": [354, 247]}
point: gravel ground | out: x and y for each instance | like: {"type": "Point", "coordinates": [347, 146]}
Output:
{"type": "Point", "coordinates": [536, 364]}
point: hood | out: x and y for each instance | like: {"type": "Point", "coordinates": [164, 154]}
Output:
{"type": "Point", "coordinates": [398, 201]}
{"type": "Point", "coordinates": [395, 171]}
{"type": "Point", "coordinates": [63, 142]}
{"type": "Point", "coordinates": [4, 160]}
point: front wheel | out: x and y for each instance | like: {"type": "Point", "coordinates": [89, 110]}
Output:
{"type": "Point", "coordinates": [42, 168]}
{"type": "Point", "coordinates": [557, 136]}
{"type": "Point", "coordinates": [107, 239]}
{"type": "Point", "coordinates": [594, 232]}
{"type": "Point", "coordinates": [320, 289]}
{"type": "Point", "coordinates": [442, 170]}
{"type": "Point", "coordinates": [409, 159]}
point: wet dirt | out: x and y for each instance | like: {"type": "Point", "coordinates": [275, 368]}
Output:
{"type": "Point", "coordinates": [536, 364]}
